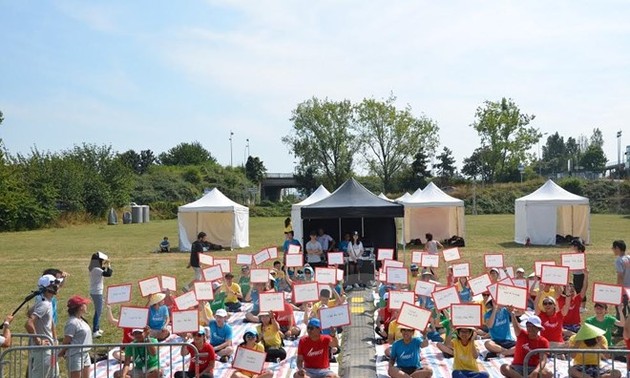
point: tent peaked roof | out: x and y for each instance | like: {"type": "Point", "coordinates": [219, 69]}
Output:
{"type": "Point", "coordinates": [352, 200]}
{"type": "Point", "coordinates": [318, 195]}
{"type": "Point", "coordinates": [404, 197]}
{"type": "Point", "coordinates": [383, 196]}
{"type": "Point", "coordinates": [213, 201]}
{"type": "Point", "coordinates": [551, 192]}
{"type": "Point", "coordinates": [432, 196]}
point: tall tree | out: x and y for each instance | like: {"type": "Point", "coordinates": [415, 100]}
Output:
{"type": "Point", "coordinates": [391, 136]}
{"type": "Point", "coordinates": [554, 154]}
{"type": "Point", "coordinates": [476, 165]}
{"type": "Point", "coordinates": [445, 165]}
{"type": "Point", "coordinates": [186, 154]}
{"type": "Point", "coordinates": [593, 159]}
{"type": "Point", "coordinates": [255, 169]}
{"type": "Point", "coordinates": [573, 152]}
{"type": "Point", "coordinates": [418, 173]}
{"type": "Point", "coordinates": [505, 133]}
{"type": "Point", "coordinates": [321, 138]}
{"type": "Point", "coordinates": [597, 138]}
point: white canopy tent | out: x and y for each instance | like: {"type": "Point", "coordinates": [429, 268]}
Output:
{"type": "Point", "coordinates": [403, 198]}
{"type": "Point", "coordinates": [383, 196]}
{"type": "Point", "coordinates": [551, 211]}
{"type": "Point", "coordinates": [296, 212]}
{"type": "Point", "coordinates": [225, 221]}
{"type": "Point", "coordinates": [432, 210]}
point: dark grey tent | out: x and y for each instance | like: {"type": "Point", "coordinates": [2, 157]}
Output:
{"type": "Point", "coordinates": [354, 208]}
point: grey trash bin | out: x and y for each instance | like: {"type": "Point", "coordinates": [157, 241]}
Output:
{"type": "Point", "coordinates": [136, 214]}
{"type": "Point", "coordinates": [145, 213]}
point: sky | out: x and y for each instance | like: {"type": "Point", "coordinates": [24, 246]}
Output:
{"type": "Point", "coordinates": [153, 74]}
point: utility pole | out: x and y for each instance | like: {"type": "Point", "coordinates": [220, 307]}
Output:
{"type": "Point", "coordinates": [619, 154]}
{"type": "Point", "coordinates": [231, 160]}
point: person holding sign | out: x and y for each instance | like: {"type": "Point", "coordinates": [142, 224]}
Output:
{"type": "Point", "coordinates": [552, 320]}
{"type": "Point", "coordinates": [244, 281]}
{"type": "Point", "coordinates": [233, 293]}
{"type": "Point", "coordinates": [355, 250]}
{"type": "Point", "coordinates": [465, 354]}
{"type": "Point", "coordinates": [578, 275]}
{"type": "Point", "coordinates": [221, 335]}
{"type": "Point", "coordinates": [206, 356]}
{"type": "Point", "coordinates": [405, 356]}
{"type": "Point", "coordinates": [286, 321]}
{"type": "Point", "coordinates": [312, 355]}
{"type": "Point", "coordinates": [588, 364]}
{"type": "Point", "coordinates": [254, 297]}
{"type": "Point", "coordinates": [527, 340]}
{"type": "Point", "coordinates": [146, 360]}
{"type": "Point", "coordinates": [271, 337]}
{"type": "Point", "coordinates": [497, 319]}
{"type": "Point", "coordinates": [250, 341]}
{"type": "Point", "coordinates": [289, 240]}
{"type": "Point", "coordinates": [573, 319]}
{"type": "Point", "coordinates": [99, 267]}
{"type": "Point", "coordinates": [314, 251]}
{"type": "Point", "coordinates": [159, 318]}
{"type": "Point", "coordinates": [325, 301]}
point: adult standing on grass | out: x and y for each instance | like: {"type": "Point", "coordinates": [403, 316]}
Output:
{"type": "Point", "coordinates": [40, 322]}
{"type": "Point", "coordinates": [77, 332]}
{"type": "Point", "coordinates": [405, 356]}
{"type": "Point", "coordinates": [99, 267]}
{"type": "Point", "coordinates": [622, 266]}
{"type": "Point", "coordinates": [198, 246]}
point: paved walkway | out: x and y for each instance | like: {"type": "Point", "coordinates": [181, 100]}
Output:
{"type": "Point", "coordinates": [358, 348]}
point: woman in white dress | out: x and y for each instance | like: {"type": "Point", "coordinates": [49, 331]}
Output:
{"type": "Point", "coordinates": [355, 250]}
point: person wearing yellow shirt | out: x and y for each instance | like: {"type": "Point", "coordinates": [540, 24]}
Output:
{"type": "Point", "coordinates": [205, 313]}
{"type": "Point", "coordinates": [250, 341]}
{"type": "Point", "coordinates": [414, 276]}
{"type": "Point", "coordinates": [271, 337]}
{"type": "Point", "coordinates": [324, 300]}
{"type": "Point", "coordinates": [233, 293]}
{"type": "Point", "coordinates": [465, 354]}
{"type": "Point", "coordinates": [587, 364]}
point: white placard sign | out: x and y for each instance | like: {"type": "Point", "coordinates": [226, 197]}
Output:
{"type": "Point", "coordinates": [424, 288]}
{"type": "Point", "coordinates": [150, 286]}
{"type": "Point", "coordinates": [293, 249]}
{"type": "Point", "coordinates": [249, 360]}
{"type": "Point", "coordinates": [259, 276]}
{"type": "Point", "coordinates": [506, 272]}
{"type": "Point", "coordinates": [335, 258]}
{"type": "Point", "coordinates": [414, 317]}
{"type": "Point", "coordinates": [520, 282]}
{"type": "Point", "coordinates": [554, 275]}
{"type": "Point", "coordinates": [493, 261]}
{"type": "Point", "coordinates": [385, 254]}
{"type": "Point", "coordinates": [416, 257]}
{"type": "Point", "coordinates": [271, 302]}
{"type": "Point", "coordinates": [507, 281]}
{"type": "Point", "coordinates": [225, 265]}
{"type": "Point", "coordinates": [609, 294]}
{"type": "Point", "coordinates": [307, 292]}
{"type": "Point", "coordinates": [575, 261]}
{"type": "Point", "coordinates": [294, 261]}
{"type": "Point", "coordinates": [204, 291]}
{"type": "Point", "coordinates": [169, 283]}
{"type": "Point", "coordinates": [118, 294]}
{"type": "Point", "coordinates": [326, 275]}
{"type": "Point", "coordinates": [538, 266]}
{"type": "Point", "coordinates": [492, 289]}
{"type": "Point", "coordinates": [429, 260]}
{"type": "Point", "coordinates": [205, 259]}
{"type": "Point", "coordinates": [337, 316]}
{"type": "Point", "coordinates": [466, 315]}
{"type": "Point", "coordinates": [512, 296]}
{"type": "Point", "coordinates": [213, 273]}
{"type": "Point", "coordinates": [261, 257]}
{"type": "Point", "coordinates": [185, 321]}
{"type": "Point", "coordinates": [186, 301]}
{"type": "Point", "coordinates": [461, 270]}
{"type": "Point", "coordinates": [244, 259]}
{"type": "Point", "coordinates": [273, 252]}
{"type": "Point", "coordinates": [445, 298]}
{"type": "Point", "coordinates": [397, 298]}
{"type": "Point", "coordinates": [340, 274]}
{"type": "Point", "coordinates": [479, 284]}
{"type": "Point", "coordinates": [391, 264]}
{"type": "Point", "coordinates": [133, 317]}
{"type": "Point", "coordinates": [397, 275]}
{"type": "Point", "coordinates": [451, 254]}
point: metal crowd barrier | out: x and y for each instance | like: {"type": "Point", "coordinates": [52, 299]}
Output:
{"type": "Point", "coordinates": [567, 352]}
{"type": "Point", "coordinates": [15, 361]}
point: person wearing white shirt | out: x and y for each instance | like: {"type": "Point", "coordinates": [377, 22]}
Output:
{"type": "Point", "coordinates": [355, 250]}
{"type": "Point", "coordinates": [314, 251]}
{"type": "Point", "coordinates": [325, 240]}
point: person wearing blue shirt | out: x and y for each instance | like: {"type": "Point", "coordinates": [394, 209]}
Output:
{"type": "Point", "coordinates": [405, 356]}
{"type": "Point", "coordinates": [159, 317]}
{"type": "Point", "coordinates": [290, 240]}
{"type": "Point", "coordinates": [221, 335]}
{"type": "Point", "coordinates": [343, 245]}
{"type": "Point", "coordinates": [498, 320]}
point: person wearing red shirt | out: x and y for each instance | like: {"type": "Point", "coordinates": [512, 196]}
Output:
{"type": "Point", "coordinates": [573, 320]}
{"type": "Point", "coordinates": [119, 353]}
{"type": "Point", "coordinates": [312, 354]}
{"type": "Point", "coordinates": [206, 357]}
{"type": "Point", "coordinates": [385, 316]}
{"type": "Point", "coordinates": [526, 341]}
{"type": "Point", "coordinates": [552, 319]}
{"type": "Point", "coordinates": [286, 320]}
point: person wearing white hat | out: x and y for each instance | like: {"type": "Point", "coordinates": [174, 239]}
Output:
{"type": "Point", "coordinates": [465, 354]}
{"type": "Point", "coordinates": [158, 317]}
{"type": "Point", "coordinates": [520, 274]}
{"type": "Point", "coordinates": [221, 335]}
{"type": "Point", "coordinates": [527, 339]}
{"type": "Point", "coordinates": [404, 358]}
{"type": "Point", "coordinates": [40, 322]}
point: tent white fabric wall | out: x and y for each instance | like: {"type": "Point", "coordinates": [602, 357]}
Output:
{"type": "Point", "coordinates": [432, 210]}
{"type": "Point", "coordinates": [296, 213]}
{"type": "Point", "coordinates": [548, 211]}
{"type": "Point", "coordinates": [225, 221]}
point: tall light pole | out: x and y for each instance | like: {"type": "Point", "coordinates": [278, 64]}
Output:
{"type": "Point", "coordinates": [231, 161]}
{"type": "Point", "coordinates": [247, 146]}
{"type": "Point", "coordinates": [540, 157]}
{"type": "Point", "coordinates": [619, 154]}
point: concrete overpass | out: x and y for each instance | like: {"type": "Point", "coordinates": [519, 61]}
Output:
{"type": "Point", "coordinates": [273, 183]}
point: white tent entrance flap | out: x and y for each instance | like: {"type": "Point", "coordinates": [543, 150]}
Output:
{"type": "Point", "coordinates": [225, 221]}
{"type": "Point", "coordinates": [551, 211]}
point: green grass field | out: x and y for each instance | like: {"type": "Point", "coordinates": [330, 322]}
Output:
{"type": "Point", "coordinates": [24, 255]}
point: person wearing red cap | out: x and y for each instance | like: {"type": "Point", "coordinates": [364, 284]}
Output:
{"type": "Point", "coordinates": [77, 332]}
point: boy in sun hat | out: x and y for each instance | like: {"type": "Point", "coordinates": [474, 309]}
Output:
{"type": "Point", "coordinates": [589, 337]}
{"type": "Point", "coordinates": [404, 359]}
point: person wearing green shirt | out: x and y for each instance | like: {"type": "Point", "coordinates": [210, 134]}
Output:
{"type": "Point", "coordinates": [146, 361]}
{"type": "Point", "coordinates": [605, 321]}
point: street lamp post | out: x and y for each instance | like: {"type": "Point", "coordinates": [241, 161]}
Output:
{"type": "Point", "coordinates": [231, 160]}
{"type": "Point", "coordinates": [540, 156]}
{"type": "Point", "coordinates": [619, 154]}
